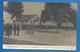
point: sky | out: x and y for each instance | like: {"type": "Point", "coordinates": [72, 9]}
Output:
{"type": "Point", "coordinates": [36, 7]}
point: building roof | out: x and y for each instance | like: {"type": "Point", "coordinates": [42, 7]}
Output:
{"type": "Point", "coordinates": [26, 18]}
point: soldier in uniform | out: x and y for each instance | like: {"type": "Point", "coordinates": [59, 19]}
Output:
{"type": "Point", "coordinates": [27, 28]}
{"type": "Point", "coordinates": [14, 28]}
{"type": "Point", "coordinates": [18, 29]}
{"type": "Point", "coordinates": [11, 28]}
{"type": "Point", "coordinates": [58, 26]}
{"type": "Point", "coordinates": [7, 29]}
{"type": "Point", "coordinates": [31, 28]}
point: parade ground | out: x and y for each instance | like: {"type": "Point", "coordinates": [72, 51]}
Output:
{"type": "Point", "coordinates": [43, 37]}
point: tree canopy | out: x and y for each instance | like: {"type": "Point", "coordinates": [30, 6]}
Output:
{"type": "Point", "coordinates": [59, 12]}
{"type": "Point", "coordinates": [15, 8]}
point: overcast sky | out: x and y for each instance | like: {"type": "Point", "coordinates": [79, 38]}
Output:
{"type": "Point", "coordinates": [36, 7]}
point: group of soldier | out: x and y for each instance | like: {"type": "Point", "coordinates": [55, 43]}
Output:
{"type": "Point", "coordinates": [29, 28]}
{"type": "Point", "coordinates": [9, 28]}
{"type": "Point", "coordinates": [14, 29]}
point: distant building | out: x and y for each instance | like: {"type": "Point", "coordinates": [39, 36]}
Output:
{"type": "Point", "coordinates": [25, 19]}
{"type": "Point", "coordinates": [53, 24]}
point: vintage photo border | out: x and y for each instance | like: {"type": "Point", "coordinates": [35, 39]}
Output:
{"type": "Point", "coordinates": [78, 23]}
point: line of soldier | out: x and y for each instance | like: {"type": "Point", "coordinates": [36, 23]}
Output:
{"type": "Point", "coordinates": [29, 28]}
{"type": "Point", "coordinates": [8, 28]}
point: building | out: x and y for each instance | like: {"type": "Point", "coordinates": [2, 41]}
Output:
{"type": "Point", "coordinates": [25, 19]}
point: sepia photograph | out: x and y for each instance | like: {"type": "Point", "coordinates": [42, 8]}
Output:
{"type": "Point", "coordinates": [34, 24]}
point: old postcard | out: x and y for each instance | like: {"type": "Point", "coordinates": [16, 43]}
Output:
{"type": "Point", "coordinates": [39, 25]}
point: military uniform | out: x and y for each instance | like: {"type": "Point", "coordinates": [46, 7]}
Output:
{"type": "Point", "coordinates": [7, 29]}
{"type": "Point", "coordinates": [31, 28]}
{"type": "Point", "coordinates": [18, 29]}
{"type": "Point", "coordinates": [14, 28]}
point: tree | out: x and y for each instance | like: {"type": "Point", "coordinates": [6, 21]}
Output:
{"type": "Point", "coordinates": [60, 12]}
{"type": "Point", "coordinates": [15, 9]}
{"type": "Point", "coordinates": [56, 10]}
{"type": "Point", "coordinates": [44, 16]}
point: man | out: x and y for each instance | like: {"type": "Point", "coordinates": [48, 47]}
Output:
{"type": "Point", "coordinates": [11, 29]}
{"type": "Point", "coordinates": [14, 28]}
{"type": "Point", "coordinates": [31, 28]}
{"type": "Point", "coordinates": [7, 29]}
{"type": "Point", "coordinates": [58, 26]}
{"type": "Point", "coordinates": [27, 28]}
{"type": "Point", "coordinates": [18, 29]}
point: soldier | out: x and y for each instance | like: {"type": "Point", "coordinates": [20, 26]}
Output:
{"type": "Point", "coordinates": [18, 29]}
{"type": "Point", "coordinates": [14, 28]}
{"type": "Point", "coordinates": [58, 26]}
{"type": "Point", "coordinates": [5, 28]}
{"type": "Point", "coordinates": [8, 29]}
{"type": "Point", "coordinates": [31, 28]}
{"type": "Point", "coordinates": [11, 29]}
{"type": "Point", "coordinates": [27, 28]}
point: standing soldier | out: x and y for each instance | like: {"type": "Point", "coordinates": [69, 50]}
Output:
{"type": "Point", "coordinates": [18, 29]}
{"type": "Point", "coordinates": [27, 28]}
{"type": "Point", "coordinates": [4, 27]}
{"type": "Point", "coordinates": [14, 28]}
{"type": "Point", "coordinates": [31, 28]}
{"type": "Point", "coordinates": [11, 28]}
{"type": "Point", "coordinates": [58, 26]}
{"type": "Point", "coordinates": [8, 29]}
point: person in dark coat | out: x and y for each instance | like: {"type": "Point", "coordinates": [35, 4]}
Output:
{"type": "Point", "coordinates": [27, 28]}
{"type": "Point", "coordinates": [11, 28]}
{"type": "Point", "coordinates": [58, 26]}
{"type": "Point", "coordinates": [18, 29]}
{"type": "Point", "coordinates": [4, 29]}
{"type": "Point", "coordinates": [7, 29]}
{"type": "Point", "coordinates": [31, 28]}
{"type": "Point", "coordinates": [14, 28]}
